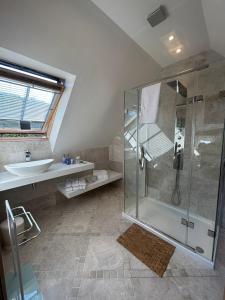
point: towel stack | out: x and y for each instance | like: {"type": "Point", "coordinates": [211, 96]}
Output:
{"type": "Point", "coordinates": [75, 184]}
{"type": "Point", "coordinates": [150, 103]}
{"type": "Point", "coordinates": [101, 174]}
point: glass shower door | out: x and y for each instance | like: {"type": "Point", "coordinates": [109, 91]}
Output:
{"type": "Point", "coordinates": [162, 204]}
{"type": "Point", "coordinates": [130, 152]}
{"type": "Point", "coordinates": [173, 159]}
{"type": "Point", "coordinates": [208, 112]}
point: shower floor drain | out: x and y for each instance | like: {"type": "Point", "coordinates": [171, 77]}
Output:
{"type": "Point", "coordinates": [199, 250]}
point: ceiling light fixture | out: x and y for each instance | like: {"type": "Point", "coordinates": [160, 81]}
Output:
{"type": "Point", "coordinates": [171, 37]}
{"type": "Point", "coordinates": [178, 50]}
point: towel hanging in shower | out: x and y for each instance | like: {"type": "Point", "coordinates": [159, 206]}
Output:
{"type": "Point", "coordinates": [150, 103]}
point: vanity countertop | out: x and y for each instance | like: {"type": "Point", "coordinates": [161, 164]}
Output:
{"type": "Point", "coordinates": [9, 181]}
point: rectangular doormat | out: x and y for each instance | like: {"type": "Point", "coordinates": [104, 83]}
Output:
{"type": "Point", "coordinates": [148, 248]}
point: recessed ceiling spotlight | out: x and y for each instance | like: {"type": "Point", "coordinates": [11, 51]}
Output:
{"type": "Point", "coordinates": [171, 37]}
{"type": "Point", "coordinates": [178, 50]}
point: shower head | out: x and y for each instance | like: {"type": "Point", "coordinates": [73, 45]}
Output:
{"type": "Point", "coordinates": [178, 87]}
{"type": "Point", "coordinates": [201, 67]}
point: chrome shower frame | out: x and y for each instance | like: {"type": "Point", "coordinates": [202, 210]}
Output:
{"type": "Point", "coordinates": [221, 190]}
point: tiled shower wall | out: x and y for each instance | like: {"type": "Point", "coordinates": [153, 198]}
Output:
{"type": "Point", "coordinates": [196, 61]}
{"type": "Point", "coordinates": [116, 154]}
{"type": "Point", "coordinates": [209, 128]}
{"type": "Point", "coordinates": [160, 173]}
{"type": "Point", "coordinates": [202, 190]}
{"type": "Point", "coordinates": [209, 119]}
{"type": "Point", "coordinates": [209, 123]}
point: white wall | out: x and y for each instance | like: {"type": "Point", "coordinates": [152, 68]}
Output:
{"type": "Point", "coordinates": [77, 37]}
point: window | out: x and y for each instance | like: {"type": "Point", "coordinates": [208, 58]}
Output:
{"type": "Point", "coordinates": [28, 100]}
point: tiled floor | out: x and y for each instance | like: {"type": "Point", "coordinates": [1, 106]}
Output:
{"type": "Point", "coordinates": [77, 257]}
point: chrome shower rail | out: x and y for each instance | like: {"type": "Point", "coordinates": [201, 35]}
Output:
{"type": "Point", "coordinates": [183, 72]}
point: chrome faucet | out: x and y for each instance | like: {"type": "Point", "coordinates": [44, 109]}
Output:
{"type": "Point", "coordinates": [27, 155]}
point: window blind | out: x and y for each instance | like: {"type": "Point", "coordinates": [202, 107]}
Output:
{"type": "Point", "coordinates": [23, 103]}
{"type": "Point", "coordinates": [30, 76]}
{"type": "Point", "coordinates": [27, 100]}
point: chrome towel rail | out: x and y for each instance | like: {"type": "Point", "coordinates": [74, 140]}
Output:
{"type": "Point", "coordinates": [13, 234]}
{"type": "Point", "coordinates": [31, 221]}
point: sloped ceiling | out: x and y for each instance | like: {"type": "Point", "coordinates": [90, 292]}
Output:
{"type": "Point", "coordinates": [214, 13]}
{"type": "Point", "coordinates": [197, 25]}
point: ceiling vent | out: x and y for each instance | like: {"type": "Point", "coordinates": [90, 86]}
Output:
{"type": "Point", "coordinates": [157, 16]}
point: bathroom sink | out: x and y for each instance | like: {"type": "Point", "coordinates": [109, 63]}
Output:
{"type": "Point", "coordinates": [29, 168]}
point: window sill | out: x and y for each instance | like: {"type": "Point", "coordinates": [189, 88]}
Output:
{"type": "Point", "coordinates": [23, 139]}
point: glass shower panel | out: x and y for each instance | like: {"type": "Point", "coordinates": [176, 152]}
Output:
{"type": "Point", "coordinates": [173, 160]}
{"type": "Point", "coordinates": [208, 113]}
{"type": "Point", "coordinates": [130, 151]}
{"type": "Point", "coordinates": [161, 203]}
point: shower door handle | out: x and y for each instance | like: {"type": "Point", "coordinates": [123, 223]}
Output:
{"type": "Point", "coordinates": [142, 158]}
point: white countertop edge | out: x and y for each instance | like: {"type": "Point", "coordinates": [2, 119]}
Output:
{"type": "Point", "coordinates": [10, 181]}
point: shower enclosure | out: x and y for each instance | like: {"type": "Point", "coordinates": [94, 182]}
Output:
{"type": "Point", "coordinates": [172, 161]}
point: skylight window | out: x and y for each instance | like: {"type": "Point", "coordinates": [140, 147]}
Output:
{"type": "Point", "coordinates": [28, 100]}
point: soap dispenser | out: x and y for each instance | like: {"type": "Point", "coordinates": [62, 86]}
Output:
{"type": "Point", "coordinates": [27, 155]}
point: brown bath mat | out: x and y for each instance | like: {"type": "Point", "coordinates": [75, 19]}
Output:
{"type": "Point", "coordinates": [148, 248]}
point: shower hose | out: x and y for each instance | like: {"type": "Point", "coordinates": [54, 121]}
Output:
{"type": "Point", "coordinates": [176, 195]}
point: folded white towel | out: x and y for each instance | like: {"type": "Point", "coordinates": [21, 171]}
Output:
{"type": "Point", "coordinates": [69, 189]}
{"type": "Point", "coordinates": [77, 188]}
{"type": "Point", "coordinates": [150, 103]}
{"type": "Point", "coordinates": [101, 174]}
{"type": "Point", "coordinates": [103, 177]}
{"type": "Point", "coordinates": [78, 182]}
{"type": "Point", "coordinates": [90, 178]}
{"type": "Point", "coordinates": [68, 184]}
{"type": "Point", "coordinates": [75, 184]}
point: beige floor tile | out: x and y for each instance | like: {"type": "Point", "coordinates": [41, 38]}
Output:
{"type": "Point", "coordinates": [77, 257]}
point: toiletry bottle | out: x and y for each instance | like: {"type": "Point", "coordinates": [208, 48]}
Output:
{"type": "Point", "coordinates": [64, 159]}
{"type": "Point", "coordinates": [67, 161]}
{"type": "Point", "coordinates": [27, 155]}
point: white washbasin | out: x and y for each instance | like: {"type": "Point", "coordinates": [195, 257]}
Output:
{"type": "Point", "coordinates": [29, 168]}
